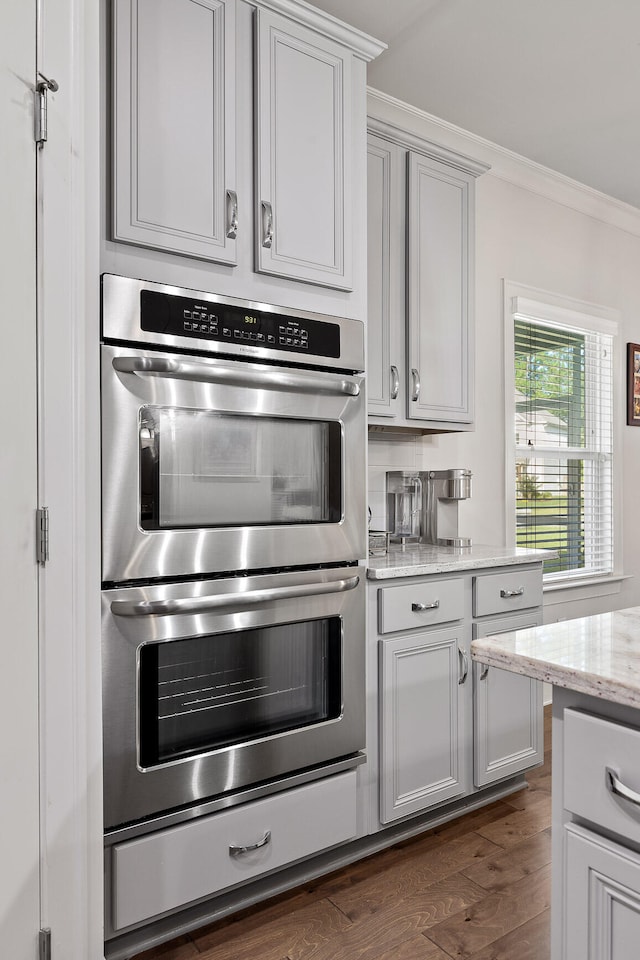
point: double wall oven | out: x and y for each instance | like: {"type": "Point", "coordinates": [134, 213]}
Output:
{"type": "Point", "coordinates": [233, 511]}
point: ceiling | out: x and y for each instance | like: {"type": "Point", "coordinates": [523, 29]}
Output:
{"type": "Point", "coordinates": [557, 81]}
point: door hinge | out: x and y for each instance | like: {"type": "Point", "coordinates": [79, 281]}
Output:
{"type": "Point", "coordinates": [40, 111]}
{"type": "Point", "coordinates": [44, 944]}
{"type": "Point", "coordinates": [42, 534]}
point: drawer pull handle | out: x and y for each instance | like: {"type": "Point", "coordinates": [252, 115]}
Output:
{"type": "Point", "coordinates": [464, 666]}
{"type": "Point", "coordinates": [615, 785]}
{"type": "Point", "coordinates": [395, 382]}
{"type": "Point", "coordinates": [235, 850]}
{"type": "Point", "coordinates": [415, 393]}
{"type": "Point", "coordinates": [419, 607]}
{"type": "Point", "coordinates": [512, 593]}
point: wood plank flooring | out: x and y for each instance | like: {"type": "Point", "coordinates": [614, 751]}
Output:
{"type": "Point", "coordinates": [477, 888]}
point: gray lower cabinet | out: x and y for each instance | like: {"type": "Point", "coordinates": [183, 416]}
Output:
{"type": "Point", "coordinates": [448, 728]}
{"type": "Point", "coordinates": [421, 282]}
{"type": "Point", "coordinates": [179, 184]}
{"type": "Point", "coordinates": [602, 899]}
{"type": "Point", "coordinates": [422, 720]}
{"type": "Point", "coordinates": [508, 734]}
{"type": "Point", "coordinates": [596, 828]}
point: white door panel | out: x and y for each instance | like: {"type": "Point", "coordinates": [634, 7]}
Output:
{"type": "Point", "coordinates": [19, 806]}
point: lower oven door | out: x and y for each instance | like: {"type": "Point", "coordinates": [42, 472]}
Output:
{"type": "Point", "coordinates": [213, 686]}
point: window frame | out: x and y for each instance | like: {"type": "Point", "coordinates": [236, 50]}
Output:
{"type": "Point", "coordinates": [525, 301]}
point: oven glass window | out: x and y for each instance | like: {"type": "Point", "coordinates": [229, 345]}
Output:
{"type": "Point", "coordinates": [204, 469]}
{"type": "Point", "coordinates": [207, 692]}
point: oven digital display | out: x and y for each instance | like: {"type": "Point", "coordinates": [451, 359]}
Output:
{"type": "Point", "coordinates": [225, 323]}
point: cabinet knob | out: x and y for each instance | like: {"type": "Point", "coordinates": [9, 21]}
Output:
{"type": "Point", "coordinates": [415, 376]}
{"type": "Point", "coordinates": [267, 224]}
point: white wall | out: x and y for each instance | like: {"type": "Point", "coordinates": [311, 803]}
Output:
{"type": "Point", "coordinates": [532, 227]}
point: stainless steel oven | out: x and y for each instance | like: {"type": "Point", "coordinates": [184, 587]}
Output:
{"type": "Point", "coordinates": [233, 520]}
{"type": "Point", "coordinates": [233, 435]}
{"type": "Point", "coordinates": [214, 687]}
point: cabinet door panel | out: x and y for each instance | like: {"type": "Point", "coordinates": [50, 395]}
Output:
{"type": "Point", "coordinates": [303, 97]}
{"type": "Point", "coordinates": [422, 722]}
{"type": "Point", "coordinates": [385, 279]}
{"type": "Point", "coordinates": [439, 264]}
{"type": "Point", "coordinates": [508, 714]}
{"type": "Point", "coordinates": [174, 139]}
{"type": "Point", "coordinates": [602, 898]}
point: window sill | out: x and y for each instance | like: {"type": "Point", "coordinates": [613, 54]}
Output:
{"type": "Point", "coordinates": [583, 588]}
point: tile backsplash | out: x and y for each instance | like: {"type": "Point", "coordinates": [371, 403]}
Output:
{"type": "Point", "coordinates": [386, 455]}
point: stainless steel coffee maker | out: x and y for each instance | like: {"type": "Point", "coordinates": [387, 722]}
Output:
{"type": "Point", "coordinates": [443, 491]}
{"type": "Point", "coordinates": [404, 505]}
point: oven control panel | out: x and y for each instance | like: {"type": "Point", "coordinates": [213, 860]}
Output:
{"type": "Point", "coordinates": [227, 323]}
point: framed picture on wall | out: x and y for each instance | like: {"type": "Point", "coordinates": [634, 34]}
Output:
{"type": "Point", "coordinates": [633, 384]}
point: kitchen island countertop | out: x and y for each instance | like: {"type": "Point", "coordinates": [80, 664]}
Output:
{"type": "Point", "coordinates": [597, 655]}
{"type": "Point", "coordinates": [424, 559]}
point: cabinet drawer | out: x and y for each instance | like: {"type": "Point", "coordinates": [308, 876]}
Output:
{"type": "Point", "coordinates": [591, 746]}
{"type": "Point", "coordinates": [168, 869]}
{"type": "Point", "coordinates": [420, 605]}
{"type": "Point", "coordinates": [505, 592]}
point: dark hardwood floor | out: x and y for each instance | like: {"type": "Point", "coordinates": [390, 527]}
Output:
{"type": "Point", "coordinates": [477, 888]}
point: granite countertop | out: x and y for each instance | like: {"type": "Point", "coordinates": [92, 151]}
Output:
{"type": "Point", "coordinates": [422, 559]}
{"type": "Point", "coordinates": [597, 655]}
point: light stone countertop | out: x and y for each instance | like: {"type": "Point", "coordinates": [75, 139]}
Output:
{"type": "Point", "coordinates": [422, 559]}
{"type": "Point", "coordinates": [597, 655]}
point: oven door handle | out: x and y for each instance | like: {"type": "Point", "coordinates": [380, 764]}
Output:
{"type": "Point", "coordinates": [164, 608]}
{"type": "Point", "coordinates": [234, 376]}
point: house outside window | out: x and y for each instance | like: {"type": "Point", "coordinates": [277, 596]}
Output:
{"type": "Point", "coordinates": [563, 452]}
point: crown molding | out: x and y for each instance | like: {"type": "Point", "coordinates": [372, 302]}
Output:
{"type": "Point", "coordinates": [436, 151]}
{"type": "Point", "coordinates": [361, 44]}
{"type": "Point", "coordinates": [504, 164]}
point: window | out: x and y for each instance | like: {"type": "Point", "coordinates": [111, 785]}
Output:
{"type": "Point", "coordinates": [564, 445]}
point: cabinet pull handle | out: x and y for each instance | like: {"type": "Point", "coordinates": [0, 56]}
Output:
{"type": "Point", "coordinates": [418, 607]}
{"type": "Point", "coordinates": [395, 382]}
{"type": "Point", "coordinates": [484, 673]}
{"type": "Point", "coordinates": [232, 214]}
{"type": "Point", "coordinates": [464, 666]}
{"type": "Point", "coordinates": [267, 224]}
{"type": "Point", "coordinates": [416, 385]}
{"type": "Point", "coordinates": [512, 593]}
{"type": "Point", "coordinates": [236, 850]}
{"type": "Point", "coordinates": [615, 785]}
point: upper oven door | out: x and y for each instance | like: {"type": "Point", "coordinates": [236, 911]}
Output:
{"type": "Point", "coordinates": [215, 466]}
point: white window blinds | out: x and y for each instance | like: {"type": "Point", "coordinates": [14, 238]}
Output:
{"type": "Point", "coordinates": [564, 444]}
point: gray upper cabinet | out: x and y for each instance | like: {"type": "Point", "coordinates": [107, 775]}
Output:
{"type": "Point", "coordinates": [303, 102]}
{"type": "Point", "coordinates": [235, 129]}
{"type": "Point", "coordinates": [174, 170]}
{"type": "Point", "coordinates": [439, 277]}
{"type": "Point", "coordinates": [385, 279]}
{"type": "Point", "coordinates": [421, 283]}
